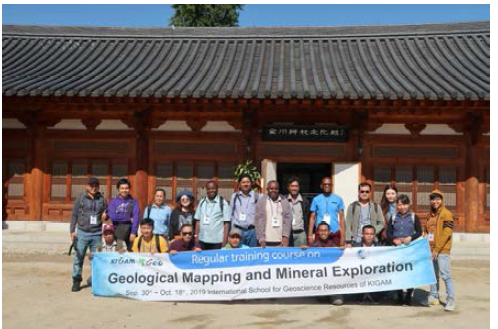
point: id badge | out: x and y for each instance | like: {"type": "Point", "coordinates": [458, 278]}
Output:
{"type": "Point", "coordinates": [242, 217]}
{"type": "Point", "coordinates": [275, 222]}
{"type": "Point", "coordinates": [93, 220]}
{"type": "Point", "coordinates": [293, 220]}
{"type": "Point", "coordinates": [205, 220]}
{"type": "Point", "coordinates": [430, 237]}
{"type": "Point", "coordinates": [326, 218]}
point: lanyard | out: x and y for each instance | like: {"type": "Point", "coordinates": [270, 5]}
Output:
{"type": "Point", "coordinates": [247, 204]}
{"type": "Point", "coordinates": [213, 204]}
{"type": "Point", "coordinates": [271, 207]}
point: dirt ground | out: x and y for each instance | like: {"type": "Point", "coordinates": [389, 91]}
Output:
{"type": "Point", "coordinates": [37, 294]}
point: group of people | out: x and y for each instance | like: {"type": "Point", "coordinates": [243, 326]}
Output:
{"type": "Point", "coordinates": [250, 219]}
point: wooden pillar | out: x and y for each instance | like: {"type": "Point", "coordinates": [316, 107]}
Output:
{"type": "Point", "coordinates": [142, 128]}
{"type": "Point", "coordinates": [36, 163]}
{"type": "Point", "coordinates": [472, 134]}
{"type": "Point", "coordinates": [471, 187]}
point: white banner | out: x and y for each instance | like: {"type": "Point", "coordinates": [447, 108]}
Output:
{"type": "Point", "coordinates": [261, 273]}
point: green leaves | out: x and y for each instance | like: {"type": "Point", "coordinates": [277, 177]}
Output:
{"type": "Point", "coordinates": [249, 169]}
{"type": "Point", "coordinates": [206, 15]}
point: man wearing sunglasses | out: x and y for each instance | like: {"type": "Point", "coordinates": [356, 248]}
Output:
{"type": "Point", "coordinates": [361, 213]}
{"type": "Point", "coordinates": [186, 241]}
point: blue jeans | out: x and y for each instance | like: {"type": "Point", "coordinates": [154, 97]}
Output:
{"type": "Point", "coordinates": [85, 240]}
{"type": "Point", "coordinates": [442, 268]}
{"type": "Point", "coordinates": [249, 238]}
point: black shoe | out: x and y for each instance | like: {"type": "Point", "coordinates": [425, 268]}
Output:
{"type": "Point", "coordinates": [408, 300]}
{"type": "Point", "coordinates": [400, 300]}
{"type": "Point", "coordinates": [76, 286]}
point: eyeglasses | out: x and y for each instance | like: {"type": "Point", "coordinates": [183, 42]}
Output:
{"type": "Point", "coordinates": [186, 233]}
{"type": "Point", "coordinates": [184, 199]}
{"type": "Point", "coordinates": [364, 192]}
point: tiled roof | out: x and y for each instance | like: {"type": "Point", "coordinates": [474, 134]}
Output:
{"type": "Point", "coordinates": [426, 61]}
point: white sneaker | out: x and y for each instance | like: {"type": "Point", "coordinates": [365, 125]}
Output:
{"type": "Point", "coordinates": [450, 305]}
{"type": "Point", "coordinates": [432, 300]}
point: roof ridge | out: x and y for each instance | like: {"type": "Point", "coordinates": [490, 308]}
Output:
{"type": "Point", "coordinates": [271, 32]}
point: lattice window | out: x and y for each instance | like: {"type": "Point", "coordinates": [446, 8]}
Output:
{"type": "Point", "coordinates": [425, 181]}
{"type": "Point", "coordinates": [59, 180]}
{"type": "Point", "coordinates": [184, 176]}
{"type": "Point", "coordinates": [205, 173]}
{"type": "Point", "coordinates": [164, 179]}
{"type": "Point", "coordinates": [15, 179]}
{"type": "Point", "coordinates": [382, 177]}
{"type": "Point", "coordinates": [79, 177]}
{"type": "Point", "coordinates": [447, 185]}
{"type": "Point", "coordinates": [119, 169]}
{"type": "Point", "coordinates": [99, 170]}
{"type": "Point", "coordinates": [404, 180]}
{"type": "Point", "coordinates": [225, 180]}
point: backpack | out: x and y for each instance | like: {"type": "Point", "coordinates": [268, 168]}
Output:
{"type": "Point", "coordinates": [237, 197]}
{"type": "Point", "coordinates": [82, 205]}
{"type": "Point", "coordinates": [221, 203]}
{"type": "Point", "coordinates": [158, 245]}
{"type": "Point", "coordinates": [376, 207]}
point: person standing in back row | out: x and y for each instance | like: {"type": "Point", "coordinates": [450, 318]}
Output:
{"type": "Point", "coordinates": [361, 213]}
{"type": "Point", "coordinates": [273, 218]}
{"type": "Point", "coordinates": [439, 230]}
{"type": "Point", "coordinates": [213, 219]}
{"type": "Point", "coordinates": [300, 213]}
{"type": "Point", "coordinates": [125, 215]}
{"type": "Point", "coordinates": [87, 217]}
{"type": "Point", "coordinates": [243, 209]}
{"type": "Point", "coordinates": [329, 208]}
{"type": "Point", "coordinates": [159, 213]}
{"type": "Point", "coordinates": [182, 215]}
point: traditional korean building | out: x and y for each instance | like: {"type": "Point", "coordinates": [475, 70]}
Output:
{"type": "Point", "coordinates": [175, 107]}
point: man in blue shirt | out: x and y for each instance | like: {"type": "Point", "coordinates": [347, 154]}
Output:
{"type": "Point", "coordinates": [213, 219]}
{"type": "Point", "coordinates": [243, 209]}
{"type": "Point", "coordinates": [329, 208]}
{"type": "Point", "coordinates": [159, 213]}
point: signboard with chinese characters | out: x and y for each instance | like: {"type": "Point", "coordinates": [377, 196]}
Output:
{"type": "Point", "coordinates": [305, 134]}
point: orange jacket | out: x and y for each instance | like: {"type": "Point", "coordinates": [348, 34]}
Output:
{"type": "Point", "coordinates": [440, 224]}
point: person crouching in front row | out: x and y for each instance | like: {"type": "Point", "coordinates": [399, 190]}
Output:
{"type": "Point", "coordinates": [367, 241]}
{"type": "Point", "coordinates": [324, 239]}
{"type": "Point", "coordinates": [403, 228]}
{"type": "Point", "coordinates": [148, 242]}
{"type": "Point", "coordinates": [234, 240]}
{"type": "Point", "coordinates": [186, 241]}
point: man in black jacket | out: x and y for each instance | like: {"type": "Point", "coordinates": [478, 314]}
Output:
{"type": "Point", "coordinates": [300, 213]}
{"type": "Point", "coordinates": [88, 214]}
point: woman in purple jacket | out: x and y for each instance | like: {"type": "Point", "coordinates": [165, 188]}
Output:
{"type": "Point", "coordinates": [125, 215]}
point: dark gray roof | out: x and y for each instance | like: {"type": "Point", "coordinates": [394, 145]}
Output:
{"type": "Point", "coordinates": [425, 61]}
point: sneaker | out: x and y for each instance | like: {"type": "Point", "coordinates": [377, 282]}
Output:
{"type": "Point", "coordinates": [450, 305]}
{"type": "Point", "coordinates": [336, 300]}
{"type": "Point", "coordinates": [432, 301]}
{"type": "Point", "coordinates": [76, 286]}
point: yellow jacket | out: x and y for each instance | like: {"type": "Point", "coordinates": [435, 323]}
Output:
{"type": "Point", "coordinates": [440, 224]}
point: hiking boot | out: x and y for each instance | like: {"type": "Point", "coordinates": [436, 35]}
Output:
{"type": "Point", "coordinates": [432, 301]}
{"type": "Point", "coordinates": [450, 305]}
{"type": "Point", "coordinates": [76, 286]}
{"type": "Point", "coordinates": [336, 300]}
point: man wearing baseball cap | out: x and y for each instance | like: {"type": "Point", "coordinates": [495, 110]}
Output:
{"type": "Point", "coordinates": [87, 216]}
{"type": "Point", "coordinates": [234, 237]}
